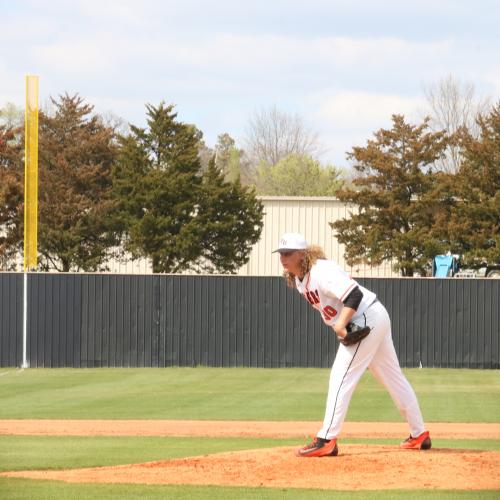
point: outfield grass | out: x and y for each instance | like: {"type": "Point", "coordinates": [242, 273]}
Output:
{"type": "Point", "coordinates": [25, 489]}
{"type": "Point", "coordinates": [220, 394]}
{"type": "Point", "coordinates": [237, 394]}
{"type": "Point", "coordinates": [45, 452]}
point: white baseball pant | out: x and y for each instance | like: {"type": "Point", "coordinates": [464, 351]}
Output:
{"type": "Point", "coordinates": [376, 352]}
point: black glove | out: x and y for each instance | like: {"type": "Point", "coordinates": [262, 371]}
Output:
{"type": "Point", "coordinates": [355, 334]}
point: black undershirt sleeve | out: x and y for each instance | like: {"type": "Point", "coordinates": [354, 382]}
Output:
{"type": "Point", "coordinates": [354, 299]}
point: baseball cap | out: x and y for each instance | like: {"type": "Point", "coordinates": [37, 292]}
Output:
{"type": "Point", "coordinates": [291, 241]}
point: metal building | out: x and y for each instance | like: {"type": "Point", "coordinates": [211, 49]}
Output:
{"type": "Point", "coordinates": [308, 215]}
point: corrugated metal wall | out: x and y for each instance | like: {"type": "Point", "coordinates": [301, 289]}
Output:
{"type": "Point", "coordinates": [452, 323]}
{"type": "Point", "coordinates": [11, 319]}
{"type": "Point", "coordinates": [87, 320]}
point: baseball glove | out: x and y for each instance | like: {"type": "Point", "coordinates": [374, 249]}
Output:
{"type": "Point", "coordinates": [355, 333]}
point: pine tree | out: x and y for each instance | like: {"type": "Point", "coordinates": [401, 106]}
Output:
{"type": "Point", "coordinates": [231, 216]}
{"type": "Point", "coordinates": [169, 213]}
{"type": "Point", "coordinates": [156, 183]}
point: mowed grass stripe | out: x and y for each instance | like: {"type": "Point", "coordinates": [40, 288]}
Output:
{"type": "Point", "coordinates": [445, 395]}
{"type": "Point", "coordinates": [25, 489]}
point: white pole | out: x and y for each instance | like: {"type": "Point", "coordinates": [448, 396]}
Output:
{"type": "Point", "coordinates": [25, 320]}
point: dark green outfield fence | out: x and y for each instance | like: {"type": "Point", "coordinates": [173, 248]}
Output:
{"type": "Point", "coordinates": [92, 320]}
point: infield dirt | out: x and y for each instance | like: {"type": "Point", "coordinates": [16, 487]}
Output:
{"type": "Point", "coordinates": [358, 466]}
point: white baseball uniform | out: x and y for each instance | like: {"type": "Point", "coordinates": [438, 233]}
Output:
{"type": "Point", "coordinates": [325, 287]}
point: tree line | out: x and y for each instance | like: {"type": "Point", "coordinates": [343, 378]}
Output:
{"type": "Point", "coordinates": [106, 190]}
{"type": "Point", "coordinates": [408, 210]}
{"type": "Point", "coordinates": [102, 194]}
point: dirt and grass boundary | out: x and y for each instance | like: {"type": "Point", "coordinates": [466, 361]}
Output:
{"type": "Point", "coordinates": [358, 466]}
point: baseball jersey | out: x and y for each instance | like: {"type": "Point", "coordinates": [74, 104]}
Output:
{"type": "Point", "coordinates": [326, 286]}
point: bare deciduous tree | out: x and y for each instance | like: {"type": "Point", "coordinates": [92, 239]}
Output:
{"type": "Point", "coordinates": [453, 105]}
{"type": "Point", "coordinates": [117, 123]}
{"type": "Point", "coordinates": [11, 116]}
{"type": "Point", "coordinates": [273, 135]}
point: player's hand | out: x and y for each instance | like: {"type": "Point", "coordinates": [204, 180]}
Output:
{"type": "Point", "coordinates": [339, 330]}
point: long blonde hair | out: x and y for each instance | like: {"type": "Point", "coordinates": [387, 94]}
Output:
{"type": "Point", "coordinates": [311, 255]}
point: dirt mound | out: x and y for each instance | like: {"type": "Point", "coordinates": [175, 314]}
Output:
{"type": "Point", "coordinates": [358, 467]}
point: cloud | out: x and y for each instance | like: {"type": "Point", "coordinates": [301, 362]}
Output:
{"type": "Point", "coordinates": [78, 57]}
{"type": "Point", "coordinates": [258, 54]}
{"type": "Point", "coordinates": [345, 65]}
{"type": "Point", "coordinates": [349, 118]}
{"type": "Point", "coordinates": [13, 86]}
{"type": "Point", "coordinates": [264, 52]}
{"type": "Point", "coordinates": [352, 109]}
{"type": "Point", "coordinates": [492, 78]}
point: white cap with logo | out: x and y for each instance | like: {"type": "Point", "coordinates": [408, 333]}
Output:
{"type": "Point", "coordinates": [291, 241]}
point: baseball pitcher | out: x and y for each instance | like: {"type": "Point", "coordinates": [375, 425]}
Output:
{"type": "Point", "coordinates": [363, 328]}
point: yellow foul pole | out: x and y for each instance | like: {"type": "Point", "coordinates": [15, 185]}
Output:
{"type": "Point", "coordinates": [30, 196]}
{"type": "Point", "coordinates": [31, 174]}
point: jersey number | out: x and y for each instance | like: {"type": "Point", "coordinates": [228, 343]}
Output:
{"type": "Point", "coordinates": [328, 312]}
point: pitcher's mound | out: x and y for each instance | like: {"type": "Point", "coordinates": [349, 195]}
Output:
{"type": "Point", "coordinates": [357, 467]}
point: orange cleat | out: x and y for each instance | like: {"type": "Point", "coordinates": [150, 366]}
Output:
{"type": "Point", "coordinates": [319, 448]}
{"type": "Point", "coordinates": [422, 442]}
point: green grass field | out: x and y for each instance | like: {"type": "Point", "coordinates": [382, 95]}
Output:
{"type": "Point", "coordinates": [212, 394]}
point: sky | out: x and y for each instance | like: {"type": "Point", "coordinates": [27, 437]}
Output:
{"type": "Point", "coordinates": [343, 66]}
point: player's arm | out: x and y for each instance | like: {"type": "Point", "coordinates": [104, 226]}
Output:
{"type": "Point", "coordinates": [351, 304]}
